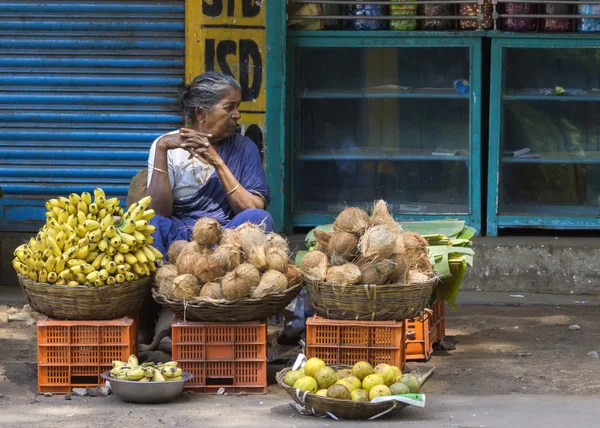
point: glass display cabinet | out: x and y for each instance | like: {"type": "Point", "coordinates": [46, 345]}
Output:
{"type": "Point", "coordinates": [544, 163]}
{"type": "Point", "coordinates": [383, 115]}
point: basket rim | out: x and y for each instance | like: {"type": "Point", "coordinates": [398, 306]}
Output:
{"type": "Point", "coordinates": [224, 302]}
{"type": "Point", "coordinates": [24, 281]}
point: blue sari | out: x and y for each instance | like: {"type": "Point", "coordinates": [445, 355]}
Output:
{"type": "Point", "coordinates": [241, 156]}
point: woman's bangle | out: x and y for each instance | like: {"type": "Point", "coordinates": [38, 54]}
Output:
{"type": "Point", "coordinates": [232, 190]}
{"type": "Point", "coordinates": [160, 170]}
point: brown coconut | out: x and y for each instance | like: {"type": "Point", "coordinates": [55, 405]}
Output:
{"type": "Point", "coordinates": [336, 259]}
{"type": "Point", "coordinates": [277, 259]}
{"type": "Point", "coordinates": [164, 279]}
{"type": "Point", "coordinates": [175, 249]}
{"type": "Point", "coordinates": [186, 287]}
{"type": "Point", "coordinates": [240, 282]}
{"type": "Point", "coordinates": [207, 268]}
{"type": "Point", "coordinates": [416, 251]}
{"type": "Point", "coordinates": [380, 214]}
{"type": "Point", "coordinates": [231, 237]}
{"type": "Point", "coordinates": [206, 232]}
{"type": "Point", "coordinates": [293, 275]}
{"type": "Point", "coordinates": [212, 291]}
{"type": "Point", "coordinates": [413, 241]}
{"type": "Point", "coordinates": [228, 256]}
{"type": "Point", "coordinates": [344, 244]}
{"type": "Point", "coordinates": [378, 242]}
{"type": "Point", "coordinates": [378, 271]}
{"type": "Point", "coordinates": [251, 236]}
{"type": "Point", "coordinates": [323, 239]}
{"type": "Point", "coordinates": [400, 269]}
{"type": "Point", "coordinates": [345, 274]}
{"type": "Point", "coordinates": [257, 257]}
{"type": "Point", "coordinates": [352, 220]}
{"type": "Point", "coordinates": [277, 241]}
{"type": "Point", "coordinates": [416, 277]}
{"type": "Point", "coordinates": [187, 260]}
{"type": "Point", "coordinates": [272, 282]}
{"type": "Point", "coordinates": [314, 266]}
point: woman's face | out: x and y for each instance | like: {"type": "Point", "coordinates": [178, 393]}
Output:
{"type": "Point", "coordinates": [222, 121]}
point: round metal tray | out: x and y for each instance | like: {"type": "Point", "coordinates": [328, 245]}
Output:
{"type": "Point", "coordinates": [147, 392]}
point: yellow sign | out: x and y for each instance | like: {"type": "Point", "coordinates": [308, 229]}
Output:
{"type": "Point", "coordinates": [230, 36]}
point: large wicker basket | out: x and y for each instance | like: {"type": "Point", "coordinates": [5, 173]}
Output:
{"type": "Point", "coordinates": [334, 408]}
{"type": "Point", "coordinates": [369, 302]}
{"type": "Point", "coordinates": [245, 309]}
{"type": "Point", "coordinates": [106, 302]}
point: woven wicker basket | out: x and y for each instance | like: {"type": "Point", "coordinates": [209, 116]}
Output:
{"type": "Point", "coordinates": [369, 302]}
{"type": "Point", "coordinates": [86, 303]}
{"type": "Point", "coordinates": [334, 408]}
{"type": "Point", "coordinates": [245, 309]}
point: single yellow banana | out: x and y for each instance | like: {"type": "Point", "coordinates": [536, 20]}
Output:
{"type": "Point", "coordinates": [111, 232]}
{"type": "Point", "coordinates": [139, 254]}
{"type": "Point", "coordinates": [60, 240]}
{"type": "Point", "coordinates": [92, 277]}
{"type": "Point", "coordinates": [63, 216]}
{"type": "Point", "coordinates": [128, 226]}
{"type": "Point", "coordinates": [116, 240]}
{"type": "Point", "coordinates": [99, 283]}
{"type": "Point", "coordinates": [50, 263]}
{"type": "Point", "coordinates": [21, 268]}
{"type": "Point", "coordinates": [145, 202]}
{"type": "Point", "coordinates": [82, 207]}
{"type": "Point", "coordinates": [148, 215]}
{"type": "Point", "coordinates": [51, 215]}
{"type": "Point", "coordinates": [120, 278]}
{"type": "Point", "coordinates": [83, 252]}
{"type": "Point", "coordinates": [95, 236]}
{"type": "Point", "coordinates": [139, 237]}
{"type": "Point", "coordinates": [111, 251]}
{"type": "Point", "coordinates": [129, 276]}
{"type": "Point", "coordinates": [97, 263]}
{"type": "Point", "coordinates": [91, 256]}
{"type": "Point", "coordinates": [138, 213]}
{"type": "Point", "coordinates": [111, 267]}
{"type": "Point", "coordinates": [45, 255]}
{"type": "Point", "coordinates": [37, 255]}
{"type": "Point", "coordinates": [105, 261]}
{"type": "Point", "coordinates": [130, 258]}
{"type": "Point", "coordinates": [74, 198]}
{"type": "Point", "coordinates": [119, 258]}
{"type": "Point", "coordinates": [103, 244]}
{"type": "Point", "coordinates": [52, 244]}
{"type": "Point", "coordinates": [59, 267]}
{"type": "Point", "coordinates": [169, 372]}
{"type": "Point", "coordinates": [54, 203]}
{"type": "Point", "coordinates": [121, 269]}
{"type": "Point", "coordinates": [131, 208]}
{"type": "Point", "coordinates": [169, 364]}
{"type": "Point", "coordinates": [111, 280]}
{"type": "Point", "coordinates": [63, 202]}
{"type": "Point", "coordinates": [39, 265]}
{"type": "Point", "coordinates": [72, 221]}
{"type": "Point", "coordinates": [91, 225]}
{"type": "Point", "coordinates": [80, 231]}
{"type": "Point", "coordinates": [71, 209]}
{"type": "Point", "coordinates": [128, 239]}
{"type": "Point", "coordinates": [72, 283]}
{"type": "Point", "coordinates": [93, 209]}
{"type": "Point", "coordinates": [103, 213]}
{"type": "Point", "coordinates": [52, 277]}
{"type": "Point", "coordinates": [100, 201]}
{"type": "Point", "coordinates": [75, 262]}
{"type": "Point", "coordinates": [87, 269]}
{"type": "Point", "coordinates": [81, 217]}
{"type": "Point", "coordinates": [158, 377]}
{"type": "Point", "coordinates": [71, 252]}
{"type": "Point", "coordinates": [103, 275]}
{"type": "Point", "coordinates": [141, 224]}
{"type": "Point", "coordinates": [149, 230]}
{"type": "Point", "coordinates": [112, 201]}
{"type": "Point", "coordinates": [86, 197]}
{"type": "Point", "coordinates": [107, 221]}
{"type": "Point", "coordinates": [80, 278]}
{"type": "Point", "coordinates": [138, 269]}
{"type": "Point", "coordinates": [149, 254]}
{"type": "Point", "coordinates": [99, 192]}
{"type": "Point", "coordinates": [91, 216]}
{"type": "Point", "coordinates": [21, 254]}
{"type": "Point", "coordinates": [124, 249]}
{"type": "Point", "coordinates": [149, 239]}
{"type": "Point", "coordinates": [65, 275]}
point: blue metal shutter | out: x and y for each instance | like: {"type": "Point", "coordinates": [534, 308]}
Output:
{"type": "Point", "coordinates": [85, 87]}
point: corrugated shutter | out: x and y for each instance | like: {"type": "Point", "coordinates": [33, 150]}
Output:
{"type": "Point", "coordinates": [85, 87]}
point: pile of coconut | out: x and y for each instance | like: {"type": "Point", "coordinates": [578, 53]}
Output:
{"type": "Point", "coordinates": [227, 264]}
{"type": "Point", "coordinates": [368, 250]}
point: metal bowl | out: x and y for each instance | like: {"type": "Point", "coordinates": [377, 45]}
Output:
{"type": "Point", "coordinates": [147, 392]}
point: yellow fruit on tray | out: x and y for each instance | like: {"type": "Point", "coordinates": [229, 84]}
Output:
{"type": "Point", "coordinates": [326, 377]}
{"type": "Point", "coordinates": [362, 369]}
{"type": "Point", "coordinates": [292, 376]}
{"type": "Point", "coordinates": [379, 391]}
{"type": "Point", "coordinates": [307, 383]}
{"type": "Point", "coordinates": [371, 381]}
{"type": "Point", "coordinates": [312, 366]}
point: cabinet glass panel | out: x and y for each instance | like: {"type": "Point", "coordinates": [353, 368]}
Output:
{"type": "Point", "coordinates": [387, 123]}
{"type": "Point", "coordinates": [550, 138]}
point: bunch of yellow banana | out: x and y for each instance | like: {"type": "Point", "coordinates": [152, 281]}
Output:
{"type": "Point", "coordinates": [90, 243]}
{"type": "Point", "coordinates": [147, 372]}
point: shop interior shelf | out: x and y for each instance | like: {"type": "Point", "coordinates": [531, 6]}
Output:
{"type": "Point", "coordinates": [389, 91]}
{"type": "Point", "coordinates": [381, 154]}
{"type": "Point", "coordinates": [558, 158]}
{"type": "Point", "coordinates": [527, 95]}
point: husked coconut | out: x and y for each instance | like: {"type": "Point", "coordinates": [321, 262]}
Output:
{"type": "Point", "coordinates": [323, 238]}
{"type": "Point", "coordinates": [272, 282]}
{"type": "Point", "coordinates": [378, 242]}
{"type": "Point", "coordinates": [251, 236]}
{"type": "Point", "coordinates": [186, 287]}
{"type": "Point", "coordinates": [174, 250]}
{"type": "Point", "coordinates": [293, 275]}
{"type": "Point", "coordinates": [228, 256]}
{"type": "Point", "coordinates": [206, 232]}
{"type": "Point", "coordinates": [240, 282]}
{"type": "Point", "coordinates": [413, 241]}
{"type": "Point", "coordinates": [377, 272]}
{"type": "Point", "coordinates": [400, 269]}
{"type": "Point", "coordinates": [212, 291]}
{"type": "Point", "coordinates": [164, 279]}
{"type": "Point", "coordinates": [345, 274]}
{"type": "Point", "coordinates": [277, 259]}
{"type": "Point", "coordinates": [380, 214]}
{"type": "Point", "coordinates": [344, 244]}
{"type": "Point", "coordinates": [276, 240]}
{"type": "Point", "coordinates": [257, 257]}
{"type": "Point", "coordinates": [207, 268]}
{"type": "Point", "coordinates": [416, 277]}
{"type": "Point", "coordinates": [231, 237]}
{"type": "Point", "coordinates": [187, 260]}
{"type": "Point", "coordinates": [314, 266]}
{"type": "Point", "coordinates": [352, 220]}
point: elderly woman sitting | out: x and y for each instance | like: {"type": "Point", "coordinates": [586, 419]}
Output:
{"type": "Point", "coordinates": [206, 170]}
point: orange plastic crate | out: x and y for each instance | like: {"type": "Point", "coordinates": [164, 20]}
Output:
{"type": "Point", "coordinates": [422, 334]}
{"type": "Point", "coordinates": [222, 355]}
{"type": "Point", "coordinates": [347, 342]}
{"type": "Point", "coordinates": [75, 353]}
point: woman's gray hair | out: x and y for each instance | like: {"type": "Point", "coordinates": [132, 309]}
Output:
{"type": "Point", "coordinates": [205, 92]}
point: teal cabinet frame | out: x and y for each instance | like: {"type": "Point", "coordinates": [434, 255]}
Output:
{"type": "Point", "coordinates": [495, 219]}
{"type": "Point", "coordinates": [416, 40]}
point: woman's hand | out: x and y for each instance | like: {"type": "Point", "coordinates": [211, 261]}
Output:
{"type": "Point", "coordinates": [179, 141]}
{"type": "Point", "coordinates": [202, 147]}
